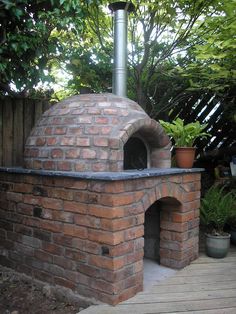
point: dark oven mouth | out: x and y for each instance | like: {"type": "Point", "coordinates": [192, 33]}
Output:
{"type": "Point", "coordinates": [136, 154]}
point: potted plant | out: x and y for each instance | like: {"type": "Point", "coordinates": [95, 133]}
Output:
{"type": "Point", "coordinates": [216, 208]}
{"type": "Point", "coordinates": [184, 137]}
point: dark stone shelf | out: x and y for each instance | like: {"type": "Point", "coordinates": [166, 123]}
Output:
{"type": "Point", "coordinates": [105, 176]}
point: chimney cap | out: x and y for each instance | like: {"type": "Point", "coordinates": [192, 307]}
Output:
{"type": "Point", "coordinates": [122, 5]}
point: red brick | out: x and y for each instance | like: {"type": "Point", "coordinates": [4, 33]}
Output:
{"type": "Point", "coordinates": [45, 257]}
{"type": "Point", "coordinates": [128, 293]}
{"type": "Point", "coordinates": [105, 130]}
{"type": "Point", "coordinates": [52, 141]}
{"type": "Point", "coordinates": [99, 166]}
{"type": "Point", "coordinates": [57, 153]}
{"type": "Point", "coordinates": [191, 205]}
{"type": "Point", "coordinates": [63, 216]}
{"type": "Point", "coordinates": [89, 270]}
{"type": "Point", "coordinates": [72, 153]}
{"type": "Point", "coordinates": [107, 263]}
{"type": "Point", "coordinates": [134, 257]}
{"type": "Point", "coordinates": [174, 226]}
{"type": "Point", "coordinates": [134, 233]}
{"type": "Point", "coordinates": [59, 130]}
{"type": "Point", "coordinates": [40, 141]}
{"type": "Point", "coordinates": [52, 248]}
{"type": "Point", "coordinates": [64, 262]}
{"type": "Point", "coordinates": [52, 203]}
{"type": "Point", "coordinates": [63, 240]}
{"type": "Point", "coordinates": [121, 249]}
{"type": "Point", "coordinates": [64, 166]}
{"type": "Point", "coordinates": [48, 130]}
{"type": "Point", "coordinates": [34, 200]}
{"type": "Point", "coordinates": [67, 141]}
{"type": "Point", "coordinates": [83, 141]}
{"type": "Point", "coordinates": [15, 197]}
{"type": "Point", "coordinates": [104, 286]}
{"type": "Point", "coordinates": [75, 131]}
{"type": "Point", "coordinates": [191, 196]}
{"type": "Point", "coordinates": [61, 194]}
{"type": "Point", "coordinates": [75, 231]}
{"type": "Point", "coordinates": [115, 187]}
{"type": "Point", "coordinates": [119, 224]}
{"type": "Point", "coordinates": [76, 255]}
{"type": "Point", "coordinates": [92, 130]}
{"type": "Point", "coordinates": [182, 217]}
{"type": "Point", "coordinates": [101, 120]}
{"type": "Point", "coordinates": [191, 177]}
{"type": "Point", "coordinates": [65, 283]}
{"type": "Point", "coordinates": [23, 188]}
{"type": "Point", "coordinates": [84, 220]}
{"type": "Point", "coordinates": [32, 222]}
{"type": "Point", "coordinates": [117, 200]}
{"type": "Point", "coordinates": [75, 184]}
{"type": "Point", "coordinates": [25, 209]}
{"type": "Point", "coordinates": [105, 236]}
{"type": "Point", "coordinates": [75, 207]}
{"type": "Point", "coordinates": [49, 165]}
{"type": "Point", "coordinates": [22, 229]}
{"type": "Point", "coordinates": [88, 153]}
{"type": "Point", "coordinates": [51, 226]}
{"type": "Point", "coordinates": [100, 141]}
{"type": "Point", "coordinates": [90, 247]}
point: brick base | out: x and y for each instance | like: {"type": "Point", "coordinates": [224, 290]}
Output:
{"type": "Point", "coordinates": [87, 235]}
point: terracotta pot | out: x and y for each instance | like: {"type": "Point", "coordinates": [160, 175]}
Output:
{"type": "Point", "coordinates": [185, 156]}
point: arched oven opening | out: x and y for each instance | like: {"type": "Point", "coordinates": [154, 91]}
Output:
{"type": "Point", "coordinates": [135, 154]}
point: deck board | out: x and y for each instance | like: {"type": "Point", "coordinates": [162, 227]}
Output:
{"type": "Point", "coordinates": [207, 286]}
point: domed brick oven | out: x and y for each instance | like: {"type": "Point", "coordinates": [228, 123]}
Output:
{"type": "Point", "coordinates": [97, 194]}
{"type": "Point", "coordinates": [97, 133]}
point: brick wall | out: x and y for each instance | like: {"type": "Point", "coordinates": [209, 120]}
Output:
{"type": "Point", "coordinates": [87, 235]}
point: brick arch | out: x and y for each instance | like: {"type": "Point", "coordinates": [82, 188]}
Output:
{"type": "Point", "coordinates": [178, 221]}
{"type": "Point", "coordinates": [154, 136]}
{"type": "Point", "coordinates": [157, 221]}
{"type": "Point", "coordinates": [150, 129]}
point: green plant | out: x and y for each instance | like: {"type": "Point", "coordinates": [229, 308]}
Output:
{"type": "Point", "coordinates": [184, 135]}
{"type": "Point", "coordinates": [216, 208]}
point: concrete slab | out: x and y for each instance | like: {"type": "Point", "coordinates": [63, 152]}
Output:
{"type": "Point", "coordinates": [154, 273]}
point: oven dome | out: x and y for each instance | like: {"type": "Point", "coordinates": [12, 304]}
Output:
{"type": "Point", "coordinates": [88, 133]}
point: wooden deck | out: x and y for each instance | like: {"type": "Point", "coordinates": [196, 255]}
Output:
{"type": "Point", "coordinates": [207, 286]}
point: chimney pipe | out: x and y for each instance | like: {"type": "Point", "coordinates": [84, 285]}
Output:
{"type": "Point", "coordinates": [119, 77]}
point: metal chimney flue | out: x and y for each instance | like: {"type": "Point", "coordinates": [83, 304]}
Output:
{"type": "Point", "coordinates": [119, 80]}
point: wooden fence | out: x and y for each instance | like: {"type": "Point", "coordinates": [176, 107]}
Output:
{"type": "Point", "coordinates": [17, 118]}
{"type": "Point", "coordinates": [213, 110]}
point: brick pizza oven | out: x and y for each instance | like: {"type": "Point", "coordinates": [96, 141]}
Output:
{"type": "Point", "coordinates": [97, 194]}
{"type": "Point", "coordinates": [97, 191]}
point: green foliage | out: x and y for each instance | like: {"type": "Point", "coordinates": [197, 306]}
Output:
{"type": "Point", "coordinates": [213, 66]}
{"type": "Point", "coordinates": [184, 135]}
{"type": "Point", "coordinates": [216, 208]}
{"type": "Point", "coordinates": [174, 47]}
{"type": "Point", "coordinates": [28, 39]}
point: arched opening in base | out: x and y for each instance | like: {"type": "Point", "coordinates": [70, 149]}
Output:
{"type": "Point", "coordinates": [155, 240]}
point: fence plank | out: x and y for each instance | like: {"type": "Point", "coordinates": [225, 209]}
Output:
{"type": "Point", "coordinates": [38, 110]}
{"type": "Point", "coordinates": [18, 143]}
{"type": "Point", "coordinates": [28, 117]}
{"type": "Point", "coordinates": [7, 132]}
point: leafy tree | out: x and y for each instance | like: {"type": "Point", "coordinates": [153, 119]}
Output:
{"type": "Point", "coordinates": [29, 38]}
{"type": "Point", "coordinates": [213, 66]}
{"type": "Point", "coordinates": [160, 36]}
